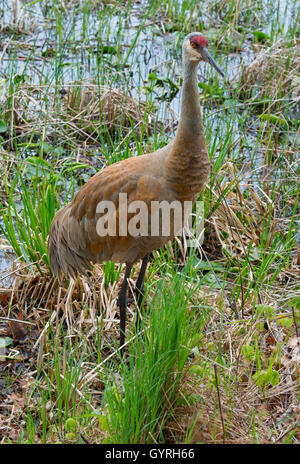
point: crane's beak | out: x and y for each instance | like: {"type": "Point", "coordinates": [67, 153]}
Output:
{"type": "Point", "coordinates": [206, 57]}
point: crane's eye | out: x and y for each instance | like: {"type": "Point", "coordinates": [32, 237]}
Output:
{"type": "Point", "coordinates": [193, 44]}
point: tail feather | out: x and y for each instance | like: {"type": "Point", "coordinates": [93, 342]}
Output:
{"type": "Point", "coordinates": [64, 255]}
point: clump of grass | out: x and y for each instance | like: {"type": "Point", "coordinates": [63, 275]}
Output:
{"type": "Point", "coordinates": [272, 76]}
{"type": "Point", "coordinates": [256, 381]}
{"type": "Point", "coordinates": [97, 107]}
{"type": "Point", "coordinates": [76, 111]}
{"type": "Point", "coordinates": [137, 412]}
{"type": "Point", "coordinates": [20, 22]}
{"type": "Point", "coordinates": [27, 229]}
{"type": "Point", "coordinates": [244, 217]}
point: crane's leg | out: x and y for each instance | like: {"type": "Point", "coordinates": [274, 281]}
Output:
{"type": "Point", "coordinates": [122, 300]}
{"type": "Point", "coordinates": [140, 289]}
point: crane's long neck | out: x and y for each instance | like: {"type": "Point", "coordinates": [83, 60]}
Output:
{"type": "Point", "coordinates": [188, 163]}
{"type": "Point", "coordinates": [190, 113]}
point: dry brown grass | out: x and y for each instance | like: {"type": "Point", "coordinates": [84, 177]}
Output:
{"type": "Point", "coordinates": [80, 305]}
{"type": "Point", "coordinates": [240, 220]}
{"type": "Point", "coordinates": [248, 412]}
{"type": "Point", "coordinates": [32, 312]}
{"type": "Point", "coordinates": [76, 111]}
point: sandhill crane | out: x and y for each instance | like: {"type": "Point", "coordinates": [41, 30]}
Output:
{"type": "Point", "coordinates": [176, 172]}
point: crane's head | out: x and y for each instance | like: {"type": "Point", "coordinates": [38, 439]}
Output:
{"type": "Point", "coordinates": [195, 49]}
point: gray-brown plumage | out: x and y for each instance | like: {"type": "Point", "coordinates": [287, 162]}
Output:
{"type": "Point", "coordinates": [177, 172]}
